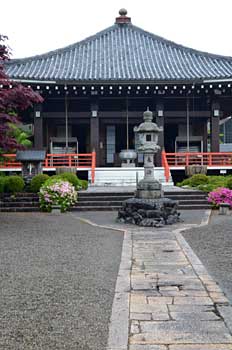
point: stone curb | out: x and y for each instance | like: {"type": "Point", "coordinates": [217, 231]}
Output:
{"type": "Point", "coordinates": [119, 321]}
{"type": "Point", "coordinates": [215, 292]}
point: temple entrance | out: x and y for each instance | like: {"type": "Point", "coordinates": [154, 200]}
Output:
{"type": "Point", "coordinates": [116, 141]}
{"type": "Point", "coordinates": [170, 134]}
{"type": "Point", "coordinates": [81, 132]}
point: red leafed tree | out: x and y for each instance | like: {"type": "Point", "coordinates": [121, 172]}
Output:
{"type": "Point", "coordinates": [14, 97]}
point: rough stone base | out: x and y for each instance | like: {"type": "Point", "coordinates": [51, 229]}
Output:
{"type": "Point", "coordinates": [149, 212]}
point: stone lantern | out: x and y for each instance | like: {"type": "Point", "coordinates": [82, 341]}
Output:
{"type": "Point", "coordinates": [148, 131]}
{"type": "Point", "coordinates": [148, 208]}
{"type": "Point", "coordinates": [32, 161]}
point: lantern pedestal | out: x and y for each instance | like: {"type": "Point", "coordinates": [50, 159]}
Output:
{"type": "Point", "coordinates": [148, 187]}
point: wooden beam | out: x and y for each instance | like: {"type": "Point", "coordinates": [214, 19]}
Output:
{"type": "Point", "coordinates": [214, 126]}
{"type": "Point", "coordinates": [38, 126]}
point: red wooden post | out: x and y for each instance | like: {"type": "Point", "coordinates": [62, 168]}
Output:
{"type": "Point", "coordinates": [210, 159]}
{"type": "Point", "coordinates": [46, 162]}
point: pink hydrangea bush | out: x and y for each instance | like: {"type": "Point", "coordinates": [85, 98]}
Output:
{"type": "Point", "coordinates": [57, 192]}
{"type": "Point", "coordinates": [220, 195]}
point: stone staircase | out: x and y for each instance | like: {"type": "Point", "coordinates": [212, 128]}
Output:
{"type": "Point", "coordinates": [101, 200]}
{"type": "Point", "coordinates": [189, 199]}
{"type": "Point", "coordinates": [112, 200]}
{"type": "Point", "coordinates": [125, 176]}
{"type": "Point", "coordinates": [20, 202]}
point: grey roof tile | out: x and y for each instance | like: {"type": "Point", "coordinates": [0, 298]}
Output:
{"type": "Point", "coordinates": [122, 53]}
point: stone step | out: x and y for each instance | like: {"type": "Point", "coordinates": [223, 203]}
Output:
{"type": "Point", "coordinates": [194, 207]}
{"type": "Point", "coordinates": [179, 198]}
{"type": "Point", "coordinates": [20, 194]}
{"type": "Point", "coordinates": [184, 193]}
{"type": "Point", "coordinates": [103, 198]}
{"type": "Point", "coordinates": [104, 194]}
{"type": "Point", "coordinates": [119, 197]}
{"type": "Point", "coordinates": [192, 201]}
{"type": "Point", "coordinates": [109, 203]}
{"type": "Point", "coordinates": [19, 199]}
{"type": "Point", "coordinates": [124, 176]}
{"type": "Point", "coordinates": [19, 209]}
{"type": "Point", "coordinates": [19, 204]}
{"type": "Point", "coordinates": [112, 202]}
{"type": "Point", "coordinates": [95, 208]}
{"type": "Point", "coordinates": [116, 208]}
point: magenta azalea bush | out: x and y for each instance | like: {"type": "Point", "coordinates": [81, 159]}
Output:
{"type": "Point", "coordinates": [57, 192]}
{"type": "Point", "coordinates": [220, 195]}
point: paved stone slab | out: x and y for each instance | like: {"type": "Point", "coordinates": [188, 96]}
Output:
{"type": "Point", "coordinates": [193, 300]}
{"type": "Point", "coordinates": [201, 347]}
{"type": "Point", "coordinates": [191, 308]}
{"type": "Point", "coordinates": [147, 347]}
{"type": "Point", "coordinates": [160, 300]}
{"type": "Point", "coordinates": [145, 308]}
{"type": "Point", "coordinates": [182, 332]}
{"type": "Point", "coordinates": [201, 316]}
{"type": "Point", "coordinates": [140, 316]}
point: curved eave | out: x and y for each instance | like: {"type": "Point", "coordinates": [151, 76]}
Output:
{"type": "Point", "coordinates": [122, 54]}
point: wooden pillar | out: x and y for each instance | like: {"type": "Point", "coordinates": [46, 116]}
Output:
{"type": "Point", "coordinates": [214, 127]}
{"type": "Point", "coordinates": [160, 123]}
{"type": "Point", "coordinates": [38, 127]}
{"type": "Point", "coordinates": [94, 131]}
{"type": "Point", "coordinates": [205, 136]}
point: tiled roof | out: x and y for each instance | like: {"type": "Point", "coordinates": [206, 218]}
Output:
{"type": "Point", "coordinates": [122, 52]}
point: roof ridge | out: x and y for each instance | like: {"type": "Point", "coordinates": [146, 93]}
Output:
{"type": "Point", "coordinates": [63, 49]}
{"type": "Point", "coordinates": [114, 27]}
{"type": "Point", "coordinates": [183, 47]}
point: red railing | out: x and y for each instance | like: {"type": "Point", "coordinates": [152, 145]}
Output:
{"type": "Point", "coordinates": [9, 162]}
{"type": "Point", "coordinates": [165, 166]}
{"type": "Point", "coordinates": [78, 160]}
{"type": "Point", "coordinates": [210, 159]}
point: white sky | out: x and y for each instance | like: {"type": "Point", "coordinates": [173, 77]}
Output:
{"type": "Point", "coordinates": [38, 26]}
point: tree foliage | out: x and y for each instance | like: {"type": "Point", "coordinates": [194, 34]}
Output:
{"type": "Point", "coordinates": [14, 97]}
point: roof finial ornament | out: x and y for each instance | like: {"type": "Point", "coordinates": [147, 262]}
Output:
{"type": "Point", "coordinates": [123, 12]}
{"type": "Point", "coordinates": [123, 19]}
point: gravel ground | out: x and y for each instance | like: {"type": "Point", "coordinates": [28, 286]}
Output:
{"type": "Point", "coordinates": [213, 245]}
{"type": "Point", "coordinates": [57, 280]}
{"type": "Point", "coordinates": [108, 218]}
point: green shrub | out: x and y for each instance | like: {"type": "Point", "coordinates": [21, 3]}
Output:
{"type": "Point", "coordinates": [84, 184]}
{"type": "Point", "coordinates": [218, 180]}
{"type": "Point", "coordinates": [14, 184]}
{"type": "Point", "coordinates": [199, 179]}
{"type": "Point", "coordinates": [229, 183]}
{"type": "Point", "coordinates": [185, 182]}
{"type": "Point", "coordinates": [72, 178]}
{"type": "Point", "coordinates": [2, 184]}
{"type": "Point", "coordinates": [37, 182]}
{"type": "Point", "coordinates": [206, 188]}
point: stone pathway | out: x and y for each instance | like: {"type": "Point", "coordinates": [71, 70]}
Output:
{"type": "Point", "coordinates": [173, 302]}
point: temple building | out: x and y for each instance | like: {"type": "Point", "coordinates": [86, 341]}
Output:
{"type": "Point", "coordinates": [96, 90]}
